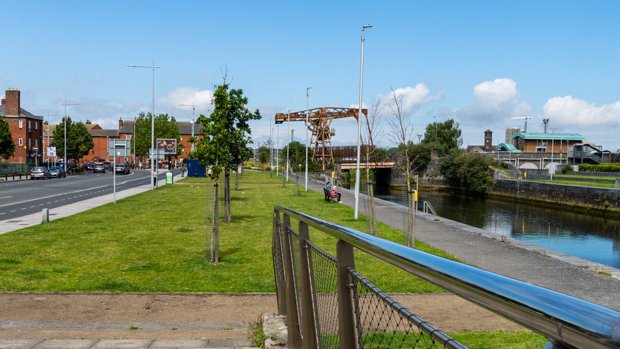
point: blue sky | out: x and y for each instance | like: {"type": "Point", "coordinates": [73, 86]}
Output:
{"type": "Point", "coordinates": [480, 62]}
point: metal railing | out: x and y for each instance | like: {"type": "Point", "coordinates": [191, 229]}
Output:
{"type": "Point", "coordinates": [330, 305]}
{"type": "Point", "coordinates": [427, 207]}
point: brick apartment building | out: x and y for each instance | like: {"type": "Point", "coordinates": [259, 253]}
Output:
{"type": "Point", "coordinates": [25, 127]}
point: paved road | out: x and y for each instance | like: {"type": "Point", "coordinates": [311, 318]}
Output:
{"type": "Point", "coordinates": [21, 198]}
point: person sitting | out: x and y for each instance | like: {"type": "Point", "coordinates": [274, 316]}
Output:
{"type": "Point", "coordinates": [333, 193]}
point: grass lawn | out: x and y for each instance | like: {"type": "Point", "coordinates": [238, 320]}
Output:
{"type": "Point", "coordinates": [579, 183]}
{"type": "Point", "coordinates": [156, 241]}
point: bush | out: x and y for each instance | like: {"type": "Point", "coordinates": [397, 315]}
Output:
{"type": "Point", "coordinates": [600, 167]}
{"type": "Point", "coordinates": [467, 171]}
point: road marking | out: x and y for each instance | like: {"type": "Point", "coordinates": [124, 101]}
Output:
{"type": "Point", "coordinates": [5, 197]}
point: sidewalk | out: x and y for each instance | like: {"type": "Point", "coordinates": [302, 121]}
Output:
{"type": "Point", "coordinates": [505, 256]}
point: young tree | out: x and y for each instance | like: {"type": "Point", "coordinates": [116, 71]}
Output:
{"type": "Point", "coordinates": [372, 131]}
{"type": "Point", "coordinates": [7, 146]}
{"type": "Point", "coordinates": [225, 143]}
{"type": "Point", "coordinates": [402, 133]}
{"type": "Point", "coordinates": [79, 141]}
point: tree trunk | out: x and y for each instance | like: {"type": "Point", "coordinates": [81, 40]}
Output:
{"type": "Point", "coordinates": [215, 243]}
{"type": "Point", "coordinates": [237, 179]}
{"type": "Point", "coordinates": [227, 195]}
{"type": "Point", "coordinates": [372, 224]}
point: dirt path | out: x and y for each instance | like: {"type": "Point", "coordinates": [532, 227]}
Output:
{"type": "Point", "coordinates": [188, 316]}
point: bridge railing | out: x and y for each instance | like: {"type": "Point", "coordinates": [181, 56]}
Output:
{"type": "Point", "coordinates": [329, 304]}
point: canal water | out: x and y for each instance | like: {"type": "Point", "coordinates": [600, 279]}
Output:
{"type": "Point", "coordinates": [577, 234]}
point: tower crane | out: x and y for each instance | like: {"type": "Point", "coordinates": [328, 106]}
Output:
{"type": "Point", "coordinates": [525, 118]}
{"type": "Point", "coordinates": [319, 122]}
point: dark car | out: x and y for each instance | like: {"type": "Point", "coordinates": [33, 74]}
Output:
{"type": "Point", "coordinates": [99, 168]}
{"type": "Point", "coordinates": [87, 166]}
{"type": "Point", "coordinates": [40, 172]}
{"type": "Point", "coordinates": [107, 165]}
{"type": "Point", "coordinates": [58, 172]}
{"type": "Point", "coordinates": [122, 169]}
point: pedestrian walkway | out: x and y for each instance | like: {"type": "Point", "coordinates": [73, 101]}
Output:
{"type": "Point", "coordinates": [122, 344]}
{"type": "Point", "coordinates": [583, 279]}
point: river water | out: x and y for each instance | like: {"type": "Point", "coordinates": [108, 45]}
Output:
{"type": "Point", "coordinates": [577, 234]}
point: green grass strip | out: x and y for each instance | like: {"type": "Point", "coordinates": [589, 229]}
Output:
{"type": "Point", "coordinates": [156, 242]}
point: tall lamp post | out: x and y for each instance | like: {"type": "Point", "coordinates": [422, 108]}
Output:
{"type": "Point", "coordinates": [153, 167]}
{"type": "Point", "coordinates": [193, 105]}
{"type": "Point", "coordinates": [288, 131]}
{"type": "Point", "coordinates": [64, 164]}
{"type": "Point", "coordinates": [359, 125]}
{"type": "Point", "coordinates": [307, 140]}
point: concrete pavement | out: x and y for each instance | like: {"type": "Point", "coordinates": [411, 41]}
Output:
{"type": "Point", "coordinates": [122, 344]}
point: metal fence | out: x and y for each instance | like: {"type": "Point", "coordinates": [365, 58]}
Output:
{"type": "Point", "coordinates": [329, 304]}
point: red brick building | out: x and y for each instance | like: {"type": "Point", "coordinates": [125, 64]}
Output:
{"type": "Point", "coordinates": [25, 127]}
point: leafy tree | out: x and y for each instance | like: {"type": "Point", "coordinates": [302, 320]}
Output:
{"type": "Point", "coordinates": [263, 154]}
{"type": "Point", "coordinates": [165, 127]}
{"type": "Point", "coordinates": [443, 136]}
{"type": "Point", "coordinates": [79, 141]}
{"type": "Point", "coordinates": [225, 143]}
{"type": "Point", "coordinates": [7, 146]}
{"type": "Point", "coordinates": [467, 171]}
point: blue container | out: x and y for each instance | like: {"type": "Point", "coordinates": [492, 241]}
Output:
{"type": "Point", "coordinates": [194, 169]}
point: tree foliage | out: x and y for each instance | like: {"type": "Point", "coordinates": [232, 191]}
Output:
{"type": "Point", "coordinates": [226, 131]}
{"type": "Point", "coordinates": [443, 136]}
{"type": "Point", "coordinates": [79, 141]}
{"type": "Point", "coordinates": [467, 171]}
{"type": "Point", "coordinates": [7, 146]}
{"type": "Point", "coordinates": [263, 154]}
{"type": "Point", "coordinates": [165, 127]}
{"type": "Point", "coordinates": [297, 157]}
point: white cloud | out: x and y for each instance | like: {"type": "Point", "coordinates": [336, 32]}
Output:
{"type": "Point", "coordinates": [410, 97]}
{"type": "Point", "coordinates": [570, 111]}
{"type": "Point", "coordinates": [494, 102]}
{"type": "Point", "coordinates": [187, 96]}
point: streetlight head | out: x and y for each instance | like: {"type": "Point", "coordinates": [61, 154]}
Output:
{"type": "Point", "coordinates": [366, 26]}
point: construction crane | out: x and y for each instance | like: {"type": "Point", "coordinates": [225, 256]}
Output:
{"type": "Point", "coordinates": [523, 118]}
{"type": "Point", "coordinates": [319, 124]}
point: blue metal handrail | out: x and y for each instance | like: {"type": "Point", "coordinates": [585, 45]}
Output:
{"type": "Point", "coordinates": [566, 321]}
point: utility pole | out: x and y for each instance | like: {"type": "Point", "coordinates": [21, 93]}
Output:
{"type": "Point", "coordinates": [193, 105]}
{"type": "Point", "coordinates": [64, 164]}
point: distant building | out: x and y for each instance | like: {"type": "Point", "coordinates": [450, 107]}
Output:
{"type": "Point", "coordinates": [510, 132]}
{"type": "Point", "coordinates": [25, 127]}
{"type": "Point", "coordinates": [559, 143]}
{"type": "Point", "coordinates": [487, 147]}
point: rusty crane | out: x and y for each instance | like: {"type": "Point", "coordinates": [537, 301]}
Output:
{"type": "Point", "coordinates": [319, 124]}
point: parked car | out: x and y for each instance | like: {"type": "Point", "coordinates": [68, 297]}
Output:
{"type": "Point", "coordinates": [40, 172]}
{"type": "Point", "coordinates": [88, 166]}
{"type": "Point", "coordinates": [58, 172]}
{"type": "Point", "coordinates": [107, 165]}
{"type": "Point", "coordinates": [99, 168]}
{"type": "Point", "coordinates": [122, 169]}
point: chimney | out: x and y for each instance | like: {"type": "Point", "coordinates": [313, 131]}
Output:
{"type": "Point", "coordinates": [120, 123]}
{"type": "Point", "coordinates": [12, 103]}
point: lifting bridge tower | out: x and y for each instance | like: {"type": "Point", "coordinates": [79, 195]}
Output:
{"type": "Point", "coordinates": [319, 124]}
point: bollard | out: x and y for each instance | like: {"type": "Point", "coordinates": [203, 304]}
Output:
{"type": "Point", "coordinates": [45, 215]}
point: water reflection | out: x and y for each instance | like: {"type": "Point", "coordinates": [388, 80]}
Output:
{"type": "Point", "coordinates": [575, 233]}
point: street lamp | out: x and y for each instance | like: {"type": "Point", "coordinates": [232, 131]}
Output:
{"type": "Point", "coordinates": [359, 125]}
{"type": "Point", "coordinates": [288, 131]}
{"type": "Point", "coordinates": [193, 105]}
{"type": "Point", "coordinates": [307, 141]}
{"type": "Point", "coordinates": [64, 164]}
{"type": "Point", "coordinates": [153, 169]}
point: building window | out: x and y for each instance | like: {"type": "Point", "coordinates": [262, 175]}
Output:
{"type": "Point", "coordinates": [21, 123]}
{"type": "Point", "coordinates": [36, 125]}
{"type": "Point", "coordinates": [20, 142]}
{"type": "Point", "coordinates": [29, 125]}
{"type": "Point", "coordinates": [29, 142]}
{"type": "Point", "coordinates": [36, 142]}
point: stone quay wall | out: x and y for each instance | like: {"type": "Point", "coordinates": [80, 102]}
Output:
{"type": "Point", "coordinates": [598, 198]}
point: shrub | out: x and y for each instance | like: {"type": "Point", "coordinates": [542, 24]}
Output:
{"type": "Point", "coordinates": [607, 167]}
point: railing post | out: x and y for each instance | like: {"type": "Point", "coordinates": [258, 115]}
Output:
{"type": "Point", "coordinates": [307, 296]}
{"type": "Point", "coordinates": [278, 261]}
{"type": "Point", "coordinates": [292, 318]}
{"type": "Point", "coordinates": [346, 311]}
